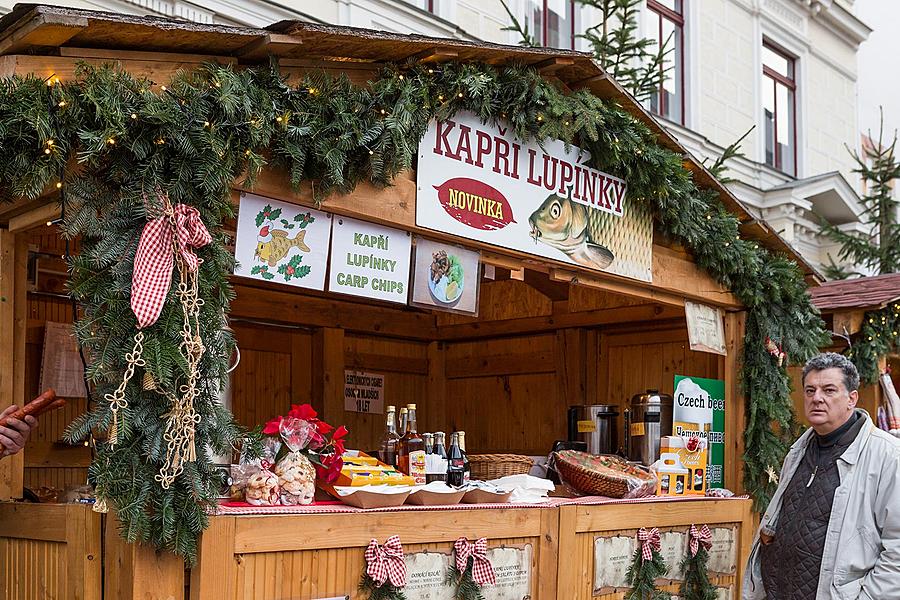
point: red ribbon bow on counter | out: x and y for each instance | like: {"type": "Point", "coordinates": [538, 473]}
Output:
{"type": "Point", "coordinates": [482, 571]}
{"type": "Point", "coordinates": [155, 257]}
{"type": "Point", "coordinates": [385, 562]}
{"type": "Point", "coordinates": [649, 539]}
{"type": "Point", "coordinates": [701, 535]}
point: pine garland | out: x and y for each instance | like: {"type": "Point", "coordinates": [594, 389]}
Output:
{"type": "Point", "coordinates": [465, 586]}
{"type": "Point", "coordinates": [642, 576]}
{"type": "Point", "coordinates": [386, 591]}
{"type": "Point", "coordinates": [194, 137]}
{"type": "Point", "coordinates": [696, 585]}
{"type": "Point", "coordinates": [879, 336]}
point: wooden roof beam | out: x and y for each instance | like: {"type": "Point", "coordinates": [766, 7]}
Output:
{"type": "Point", "coordinates": [435, 55]}
{"type": "Point", "coordinates": [270, 44]}
{"type": "Point", "coordinates": [552, 65]}
{"type": "Point", "coordinates": [45, 30]}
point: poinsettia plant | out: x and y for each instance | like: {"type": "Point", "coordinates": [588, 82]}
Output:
{"type": "Point", "coordinates": [302, 431]}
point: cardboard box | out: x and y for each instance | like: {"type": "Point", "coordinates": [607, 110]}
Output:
{"type": "Point", "coordinates": [694, 459]}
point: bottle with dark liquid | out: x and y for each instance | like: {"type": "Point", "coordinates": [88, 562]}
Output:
{"type": "Point", "coordinates": [462, 446]}
{"type": "Point", "coordinates": [411, 453]}
{"type": "Point", "coordinates": [455, 467]}
{"type": "Point", "coordinates": [402, 419]}
{"type": "Point", "coordinates": [439, 455]}
{"type": "Point", "coordinates": [388, 452]}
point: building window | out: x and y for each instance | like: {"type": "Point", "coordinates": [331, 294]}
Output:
{"type": "Point", "coordinates": [779, 92]}
{"type": "Point", "coordinates": [664, 23]}
{"type": "Point", "coordinates": [553, 22]}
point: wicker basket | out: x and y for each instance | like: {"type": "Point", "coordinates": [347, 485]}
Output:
{"type": "Point", "coordinates": [494, 466]}
{"type": "Point", "coordinates": [575, 468]}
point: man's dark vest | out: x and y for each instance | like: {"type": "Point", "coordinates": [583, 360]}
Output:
{"type": "Point", "coordinates": [791, 563]}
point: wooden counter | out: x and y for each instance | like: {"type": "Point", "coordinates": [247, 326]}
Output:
{"type": "Point", "coordinates": [56, 551]}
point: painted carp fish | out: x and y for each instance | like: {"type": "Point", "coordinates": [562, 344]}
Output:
{"type": "Point", "coordinates": [573, 228]}
{"type": "Point", "coordinates": [278, 247]}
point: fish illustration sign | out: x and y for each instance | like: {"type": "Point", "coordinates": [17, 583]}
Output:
{"type": "Point", "coordinates": [479, 182]}
{"type": "Point", "coordinates": [282, 243]}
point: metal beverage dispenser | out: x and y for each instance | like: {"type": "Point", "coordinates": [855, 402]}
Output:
{"type": "Point", "coordinates": [595, 424]}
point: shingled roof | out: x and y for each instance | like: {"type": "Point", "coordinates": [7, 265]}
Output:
{"type": "Point", "coordinates": [862, 293]}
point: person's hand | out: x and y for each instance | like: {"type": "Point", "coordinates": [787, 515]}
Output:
{"type": "Point", "coordinates": [16, 432]}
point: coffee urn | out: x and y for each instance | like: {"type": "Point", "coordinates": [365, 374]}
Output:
{"type": "Point", "coordinates": [649, 418]}
{"type": "Point", "coordinates": [595, 424]}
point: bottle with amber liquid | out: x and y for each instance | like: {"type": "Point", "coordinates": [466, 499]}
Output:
{"type": "Point", "coordinates": [467, 470]}
{"type": "Point", "coordinates": [411, 451]}
{"type": "Point", "coordinates": [388, 451]}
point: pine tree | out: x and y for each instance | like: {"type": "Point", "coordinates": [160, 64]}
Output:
{"type": "Point", "coordinates": [879, 249]}
{"type": "Point", "coordinates": [622, 54]}
{"type": "Point", "coordinates": [614, 42]}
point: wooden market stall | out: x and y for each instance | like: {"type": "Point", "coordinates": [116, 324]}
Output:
{"type": "Point", "coordinates": [548, 335]}
{"type": "Point", "coordinates": [846, 306]}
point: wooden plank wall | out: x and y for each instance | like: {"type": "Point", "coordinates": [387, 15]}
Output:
{"type": "Point", "coordinates": [311, 556]}
{"type": "Point", "coordinates": [49, 463]}
{"type": "Point", "coordinates": [49, 551]}
{"type": "Point", "coordinates": [585, 523]}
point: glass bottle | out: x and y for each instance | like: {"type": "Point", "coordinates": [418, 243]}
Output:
{"type": "Point", "coordinates": [411, 455]}
{"type": "Point", "coordinates": [455, 467]}
{"type": "Point", "coordinates": [404, 412]}
{"type": "Point", "coordinates": [462, 446]}
{"type": "Point", "coordinates": [388, 452]}
{"type": "Point", "coordinates": [439, 452]}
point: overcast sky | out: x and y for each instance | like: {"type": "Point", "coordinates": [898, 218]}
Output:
{"type": "Point", "coordinates": [879, 83]}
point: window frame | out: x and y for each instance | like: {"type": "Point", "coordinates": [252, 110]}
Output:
{"type": "Point", "coordinates": [678, 20]}
{"type": "Point", "coordinates": [545, 22]}
{"type": "Point", "coordinates": [790, 83]}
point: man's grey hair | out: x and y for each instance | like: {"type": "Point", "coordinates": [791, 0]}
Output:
{"type": "Point", "coordinates": [833, 360]}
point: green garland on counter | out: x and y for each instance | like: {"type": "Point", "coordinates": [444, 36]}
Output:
{"type": "Point", "coordinates": [191, 139]}
{"type": "Point", "coordinates": [878, 337]}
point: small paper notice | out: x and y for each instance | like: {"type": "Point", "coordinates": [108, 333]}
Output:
{"type": "Point", "coordinates": [512, 568]}
{"type": "Point", "coordinates": [722, 554]}
{"type": "Point", "coordinates": [612, 557]}
{"type": "Point", "coordinates": [426, 576]}
{"type": "Point", "coordinates": [61, 367]}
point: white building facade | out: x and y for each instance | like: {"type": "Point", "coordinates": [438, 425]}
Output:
{"type": "Point", "coordinates": [786, 68]}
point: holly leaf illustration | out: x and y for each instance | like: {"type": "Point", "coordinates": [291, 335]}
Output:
{"type": "Point", "coordinates": [275, 214]}
{"type": "Point", "coordinates": [293, 270]}
{"type": "Point", "coordinates": [304, 219]}
{"type": "Point", "coordinates": [286, 224]}
{"type": "Point", "coordinates": [264, 215]}
{"type": "Point", "coordinates": [262, 271]}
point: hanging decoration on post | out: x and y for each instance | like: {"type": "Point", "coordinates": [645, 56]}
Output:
{"type": "Point", "coordinates": [472, 569]}
{"type": "Point", "coordinates": [385, 575]}
{"type": "Point", "coordinates": [775, 350]}
{"type": "Point", "coordinates": [696, 585]}
{"type": "Point", "coordinates": [167, 241]}
{"type": "Point", "coordinates": [647, 566]}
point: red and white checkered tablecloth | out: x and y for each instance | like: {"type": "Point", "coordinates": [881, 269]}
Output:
{"type": "Point", "coordinates": [242, 508]}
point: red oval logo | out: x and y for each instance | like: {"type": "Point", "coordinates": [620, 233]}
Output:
{"type": "Point", "coordinates": [474, 203]}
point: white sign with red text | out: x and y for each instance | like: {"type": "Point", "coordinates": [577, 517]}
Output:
{"type": "Point", "coordinates": [478, 181]}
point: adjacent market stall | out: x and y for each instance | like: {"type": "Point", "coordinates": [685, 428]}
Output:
{"type": "Point", "coordinates": [492, 234]}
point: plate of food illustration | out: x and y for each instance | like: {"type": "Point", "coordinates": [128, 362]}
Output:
{"type": "Point", "coordinates": [445, 281]}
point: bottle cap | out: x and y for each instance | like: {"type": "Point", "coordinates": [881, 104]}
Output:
{"type": "Point", "coordinates": [391, 408]}
{"type": "Point", "coordinates": [411, 406]}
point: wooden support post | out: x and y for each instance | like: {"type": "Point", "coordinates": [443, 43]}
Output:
{"type": "Point", "coordinates": [568, 568]}
{"type": "Point", "coordinates": [328, 373]}
{"type": "Point", "coordinates": [138, 571]}
{"type": "Point", "coordinates": [215, 575]}
{"type": "Point", "coordinates": [735, 401]}
{"type": "Point", "coordinates": [13, 258]}
{"type": "Point", "coordinates": [548, 559]}
{"type": "Point", "coordinates": [570, 375]}
{"type": "Point", "coordinates": [84, 564]}
{"type": "Point", "coordinates": [436, 414]}
{"type": "Point", "coordinates": [871, 395]}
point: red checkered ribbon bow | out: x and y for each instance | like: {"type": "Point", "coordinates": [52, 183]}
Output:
{"type": "Point", "coordinates": [385, 562]}
{"type": "Point", "coordinates": [649, 539]}
{"type": "Point", "coordinates": [482, 571]}
{"type": "Point", "coordinates": [701, 535]}
{"type": "Point", "coordinates": [155, 258]}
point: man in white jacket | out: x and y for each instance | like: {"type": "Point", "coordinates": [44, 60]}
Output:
{"type": "Point", "coordinates": [832, 529]}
